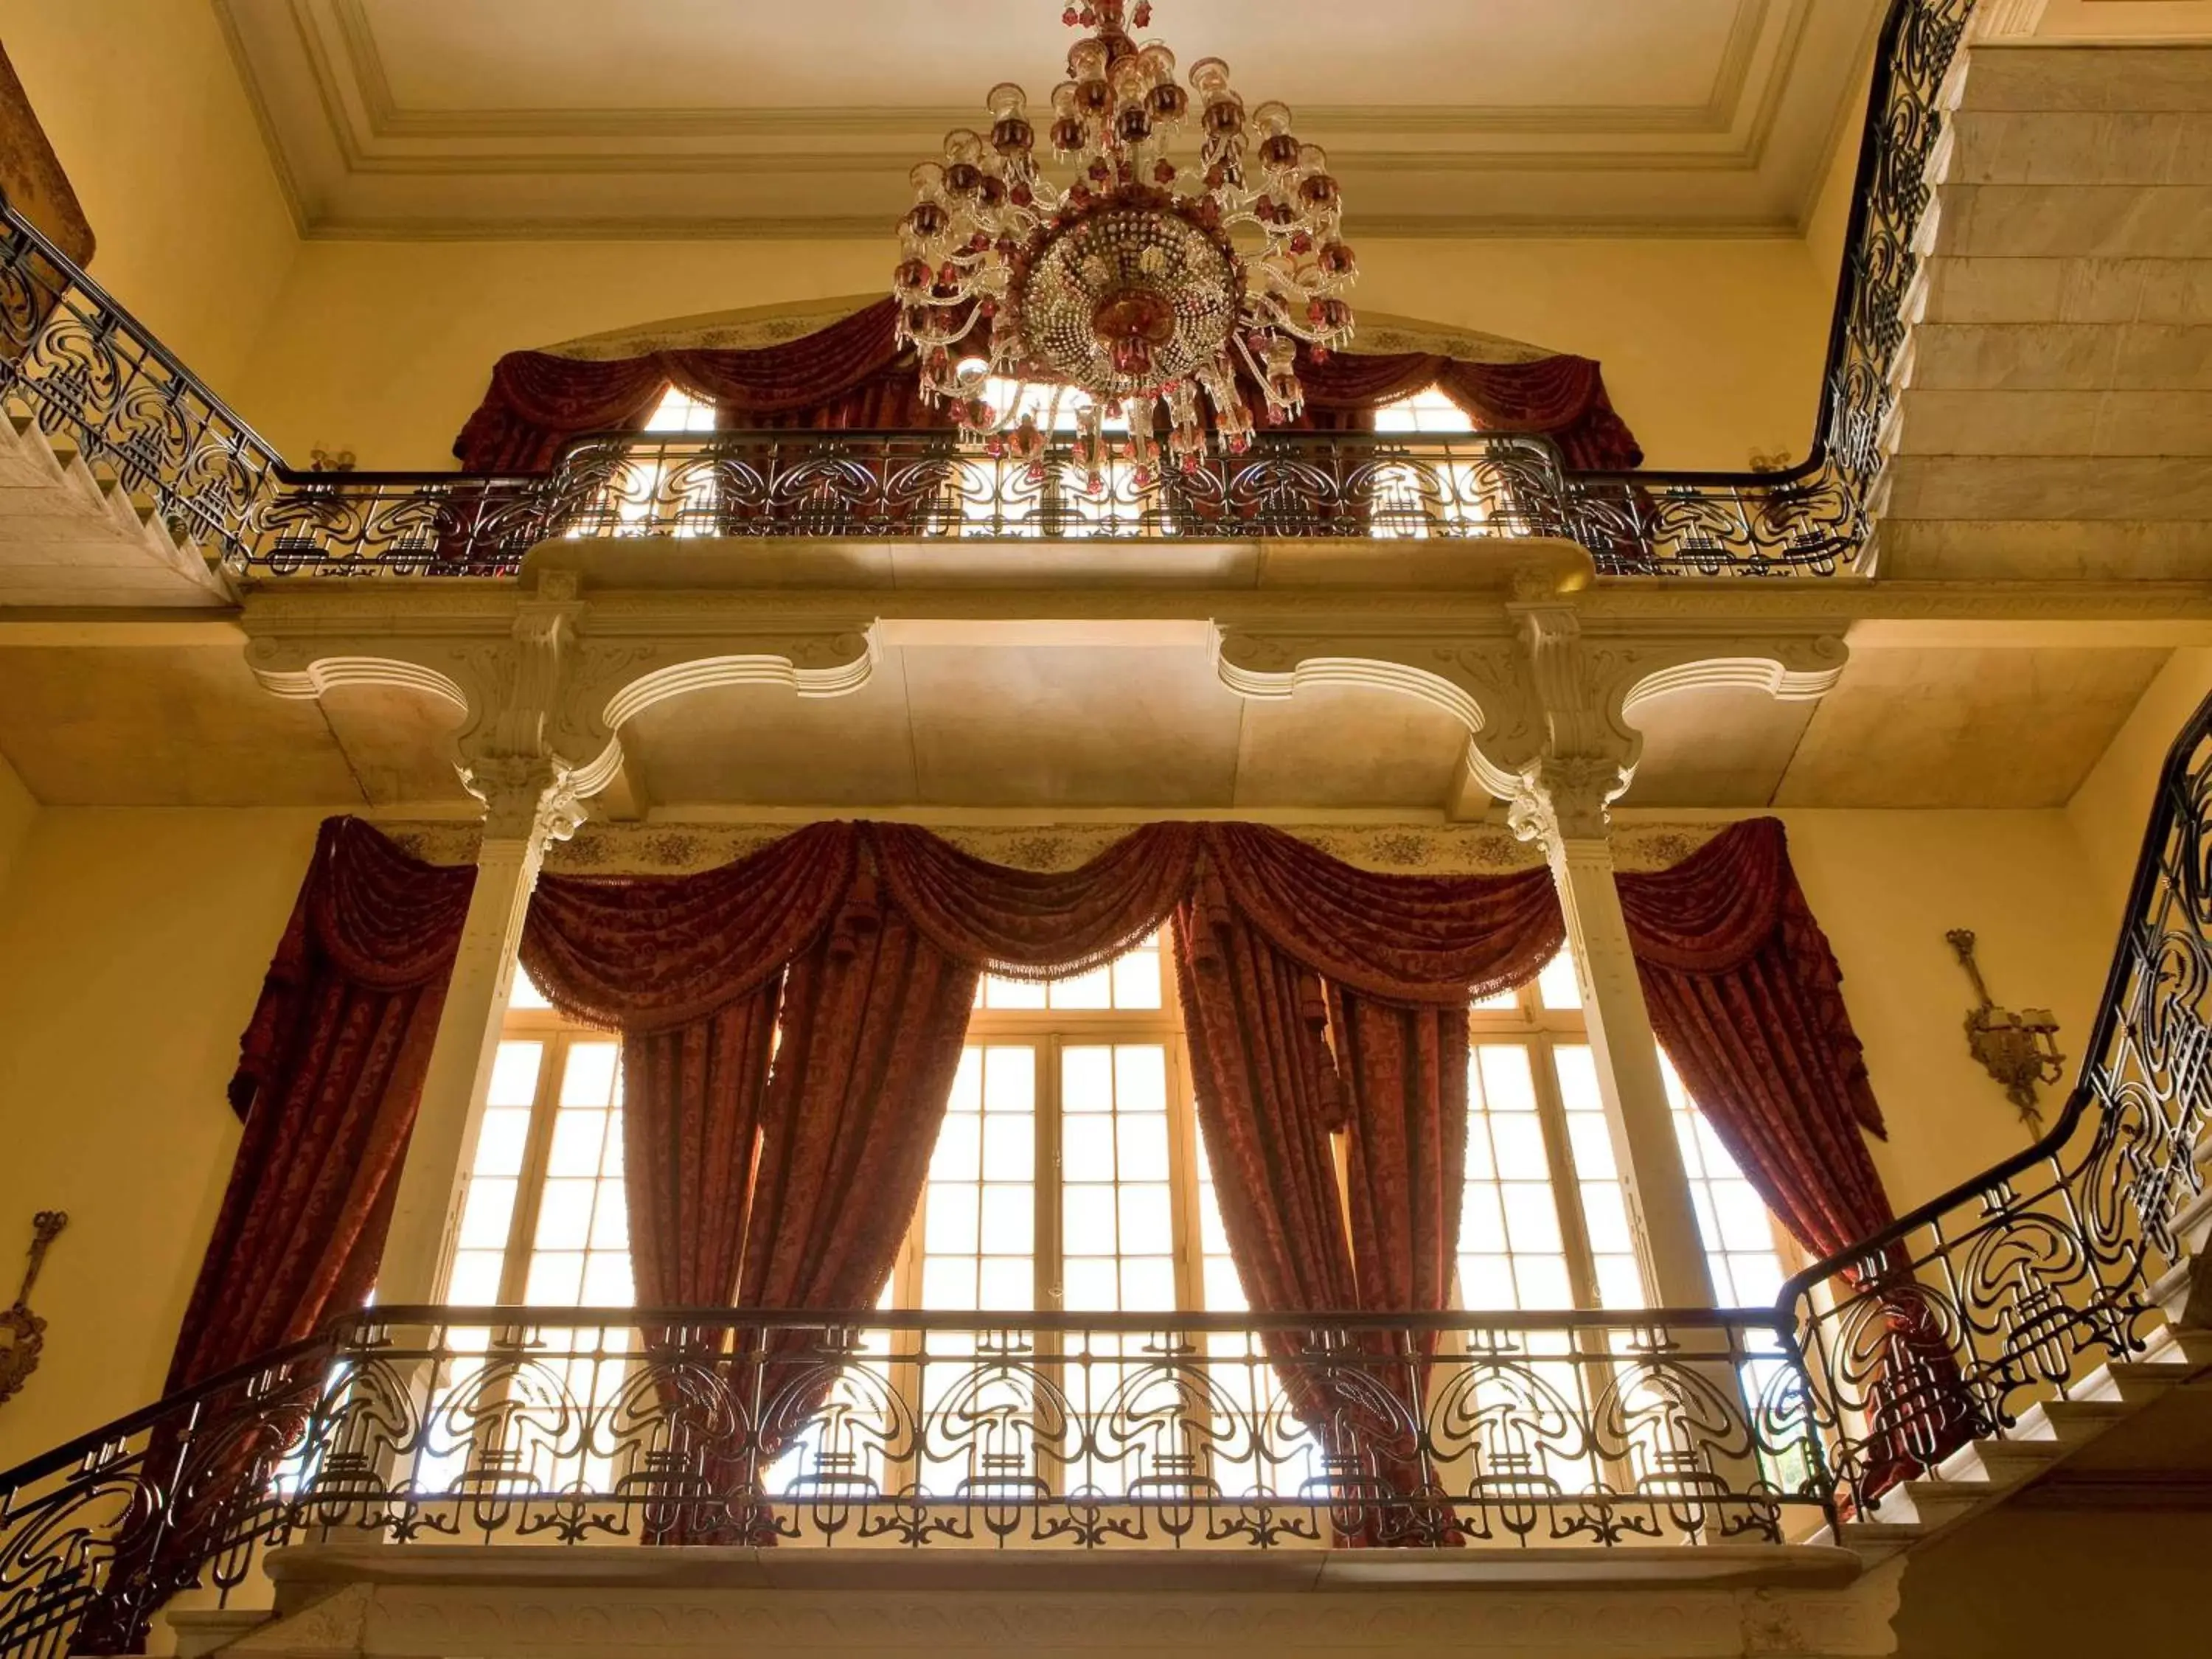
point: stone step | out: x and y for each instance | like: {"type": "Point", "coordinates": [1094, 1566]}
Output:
{"type": "Point", "coordinates": [2085, 488]}
{"type": "Point", "coordinates": [2001, 1464]}
{"type": "Point", "coordinates": [2075, 147]}
{"type": "Point", "coordinates": [2133, 1383]}
{"type": "Point", "coordinates": [2190, 1344]}
{"type": "Point", "coordinates": [2045, 75]}
{"type": "Point", "coordinates": [2047, 356]}
{"type": "Point", "coordinates": [2070, 1422]}
{"type": "Point", "coordinates": [2062, 222]}
{"type": "Point", "coordinates": [2110, 424]}
{"type": "Point", "coordinates": [1932, 1504]}
{"type": "Point", "coordinates": [2002, 288]}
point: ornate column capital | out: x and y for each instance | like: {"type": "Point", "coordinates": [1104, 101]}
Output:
{"type": "Point", "coordinates": [1558, 799]}
{"type": "Point", "coordinates": [533, 799]}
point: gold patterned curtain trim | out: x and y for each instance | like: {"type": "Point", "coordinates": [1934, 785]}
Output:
{"type": "Point", "coordinates": [668, 850]}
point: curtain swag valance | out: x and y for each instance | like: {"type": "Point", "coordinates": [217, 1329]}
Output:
{"type": "Point", "coordinates": [854, 376]}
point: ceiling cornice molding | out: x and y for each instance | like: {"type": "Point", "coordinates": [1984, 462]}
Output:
{"type": "Point", "coordinates": [369, 133]}
{"type": "Point", "coordinates": [1372, 228]}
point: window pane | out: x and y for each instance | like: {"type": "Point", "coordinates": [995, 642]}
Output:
{"type": "Point", "coordinates": [1086, 1220]}
{"type": "Point", "coordinates": [1140, 1077]}
{"type": "Point", "coordinates": [488, 1214]}
{"type": "Point", "coordinates": [579, 1136]}
{"type": "Point", "coordinates": [564, 1215]}
{"type": "Point", "coordinates": [1147, 1283]}
{"type": "Point", "coordinates": [589, 1080]}
{"type": "Point", "coordinates": [1092, 990]}
{"type": "Point", "coordinates": [1137, 978]}
{"type": "Point", "coordinates": [959, 1153]}
{"type": "Point", "coordinates": [1086, 1079]}
{"type": "Point", "coordinates": [502, 1140]}
{"type": "Point", "coordinates": [514, 1074]}
{"type": "Point", "coordinates": [1009, 1219]}
{"type": "Point", "coordinates": [952, 1219]}
{"type": "Point", "coordinates": [1556, 987]}
{"type": "Point", "coordinates": [524, 994]}
{"type": "Point", "coordinates": [1141, 1147]}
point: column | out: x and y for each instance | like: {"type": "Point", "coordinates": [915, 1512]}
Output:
{"type": "Point", "coordinates": [1563, 804]}
{"type": "Point", "coordinates": [528, 803]}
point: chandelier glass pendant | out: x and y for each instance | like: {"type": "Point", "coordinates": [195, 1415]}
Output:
{"type": "Point", "coordinates": [1145, 281]}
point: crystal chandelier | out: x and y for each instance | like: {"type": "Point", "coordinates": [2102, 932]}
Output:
{"type": "Point", "coordinates": [1144, 281]}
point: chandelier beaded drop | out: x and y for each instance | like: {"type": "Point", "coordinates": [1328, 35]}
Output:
{"type": "Point", "coordinates": [1147, 281]}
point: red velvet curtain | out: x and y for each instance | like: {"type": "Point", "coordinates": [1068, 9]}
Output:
{"type": "Point", "coordinates": [852, 374]}
{"type": "Point", "coordinates": [1747, 998]}
{"type": "Point", "coordinates": [330, 1074]}
{"type": "Point", "coordinates": [1561, 397]}
{"type": "Point", "coordinates": [1339, 999]}
{"type": "Point", "coordinates": [1319, 1000]}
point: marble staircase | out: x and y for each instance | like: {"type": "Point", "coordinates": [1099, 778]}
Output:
{"type": "Point", "coordinates": [2054, 416]}
{"type": "Point", "coordinates": [73, 535]}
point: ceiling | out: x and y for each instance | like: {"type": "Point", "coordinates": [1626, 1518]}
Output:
{"type": "Point", "coordinates": [1138, 730]}
{"type": "Point", "coordinates": [476, 118]}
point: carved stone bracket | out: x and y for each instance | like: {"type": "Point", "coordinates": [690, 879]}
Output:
{"type": "Point", "coordinates": [546, 676]}
{"type": "Point", "coordinates": [1547, 699]}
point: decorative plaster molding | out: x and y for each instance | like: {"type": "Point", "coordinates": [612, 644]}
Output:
{"type": "Point", "coordinates": [1425, 849]}
{"type": "Point", "coordinates": [319, 675]}
{"type": "Point", "coordinates": [335, 129]}
{"type": "Point", "coordinates": [1577, 1620]}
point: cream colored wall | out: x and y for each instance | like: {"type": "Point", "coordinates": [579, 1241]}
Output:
{"type": "Point", "coordinates": [1711, 349]}
{"type": "Point", "coordinates": [132, 945]}
{"type": "Point", "coordinates": [2110, 810]}
{"type": "Point", "coordinates": [152, 125]}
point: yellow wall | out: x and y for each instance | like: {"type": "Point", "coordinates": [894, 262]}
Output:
{"type": "Point", "coordinates": [1711, 349]}
{"type": "Point", "coordinates": [19, 810]}
{"type": "Point", "coordinates": [152, 125]}
{"type": "Point", "coordinates": [1886, 887]}
{"type": "Point", "coordinates": [2109, 811]}
{"type": "Point", "coordinates": [132, 944]}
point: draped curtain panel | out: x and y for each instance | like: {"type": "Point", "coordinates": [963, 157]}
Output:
{"type": "Point", "coordinates": [853, 375]}
{"type": "Point", "coordinates": [330, 1075]}
{"type": "Point", "coordinates": [1561, 397]}
{"type": "Point", "coordinates": [1747, 998]}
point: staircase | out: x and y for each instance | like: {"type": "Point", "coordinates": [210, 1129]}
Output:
{"type": "Point", "coordinates": [2053, 412]}
{"type": "Point", "coordinates": [77, 535]}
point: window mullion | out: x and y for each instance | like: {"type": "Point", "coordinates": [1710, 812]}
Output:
{"type": "Point", "coordinates": [530, 1188]}
{"type": "Point", "coordinates": [1566, 1186]}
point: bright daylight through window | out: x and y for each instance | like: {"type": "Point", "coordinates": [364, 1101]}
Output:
{"type": "Point", "coordinates": [1069, 1173]}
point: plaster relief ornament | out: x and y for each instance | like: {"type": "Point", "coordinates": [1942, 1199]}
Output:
{"type": "Point", "coordinates": [22, 1333]}
{"type": "Point", "coordinates": [1154, 278]}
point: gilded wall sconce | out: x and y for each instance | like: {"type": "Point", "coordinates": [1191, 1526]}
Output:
{"type": "Point", "coordinates": [22, 1333]}
{"type": "Point", "coordinates": [2019, 1050]}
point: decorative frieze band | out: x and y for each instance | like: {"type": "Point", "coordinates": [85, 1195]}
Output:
{"type": "Point", "coordinates": [1425, 849]}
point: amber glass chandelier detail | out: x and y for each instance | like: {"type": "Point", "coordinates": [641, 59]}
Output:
{"type": "Point", "coordinates": [1194, 246]}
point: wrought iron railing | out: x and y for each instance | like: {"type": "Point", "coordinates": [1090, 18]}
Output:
{"type": "Point", "coordinates": [923, 1431]}
{"type": "Point", "coordinates": [76, 363]}
{"type": "Point", "coordinates": [2017, 1286]}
